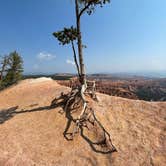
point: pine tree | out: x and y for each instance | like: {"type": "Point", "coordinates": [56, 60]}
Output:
{"type": "Point", "coordinates": [69, 35]}
{"type": "Point", "coordinates": [14, 71]}
{"type": "Point", "coordinates": [77, 99]}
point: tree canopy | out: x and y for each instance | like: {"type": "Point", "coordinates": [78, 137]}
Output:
{"type": "Point", "coordinates": [89, 5]}
{"type": "Point", "coordinates": [11, 69]}
{"type": "Point", "coordinates": [66, 35]}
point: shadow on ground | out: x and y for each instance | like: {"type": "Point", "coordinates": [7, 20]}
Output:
{"type": "Point", "coordinates": [100, 143]}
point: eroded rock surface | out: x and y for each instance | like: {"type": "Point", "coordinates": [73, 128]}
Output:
{"type": "Point", "coordinates": [31, 133]}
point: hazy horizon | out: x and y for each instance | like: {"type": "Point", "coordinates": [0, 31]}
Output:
{"type": "Point", "coordinates": [116, 74]}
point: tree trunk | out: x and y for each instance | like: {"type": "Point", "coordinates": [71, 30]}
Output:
{"type": "Point", "coordinates": [81, 60]}
{"type": "Point", "coordinates": [4, 64]}
{"type": "Point", "coordinates": [2, 71]}
{"type": "Point", "coordinates": [75, 59]}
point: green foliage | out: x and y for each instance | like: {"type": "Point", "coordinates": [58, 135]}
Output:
{"type": "Point", "coordinates": [66, 35]}
{"type": "Point", "coordinates": [89, 5]}
{"type": "Point", "coordinates": [93, 2]}
{"type": "Point", "coordinates": [70, 34]}
{"type": "Point", "coordinates": [13, 73]}
{"type": "Point", "coordinates": [4, 65]}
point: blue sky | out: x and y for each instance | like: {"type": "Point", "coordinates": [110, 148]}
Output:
{"type": "Point", "coordinates": [124, 36]}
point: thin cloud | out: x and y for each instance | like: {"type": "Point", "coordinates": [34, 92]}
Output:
{"type": "Point", "coordinates": [45, 56]}
{"type": "Point", "coordinates": [68, 61]}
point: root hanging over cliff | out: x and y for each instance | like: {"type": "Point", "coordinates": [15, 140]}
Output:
{"type": "Point", "coordinates": [81, 119]}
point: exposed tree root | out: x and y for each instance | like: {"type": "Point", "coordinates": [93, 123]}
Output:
{"type": "Point", "coordinates": [82, 119]}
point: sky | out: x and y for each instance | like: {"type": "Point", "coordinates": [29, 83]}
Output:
{"type": "Point", "coordinates": [123, 36]}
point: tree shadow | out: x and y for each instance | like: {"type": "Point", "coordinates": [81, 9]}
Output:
{"type": "Point", "coordinates": [102, 142]}
{"type": "Point", "coordinates": [102, 145]}
{"type": "Point", "coordinates": [6, 114]}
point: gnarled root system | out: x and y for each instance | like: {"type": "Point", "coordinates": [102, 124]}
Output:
{"type": "Point", "coordinates": [81, 119]}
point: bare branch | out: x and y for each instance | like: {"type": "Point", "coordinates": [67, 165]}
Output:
{"type": "Point", "coordinates": [84, 9]}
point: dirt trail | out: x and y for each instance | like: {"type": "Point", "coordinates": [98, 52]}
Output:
{"type": "Point", "coordinates": [32, 134]}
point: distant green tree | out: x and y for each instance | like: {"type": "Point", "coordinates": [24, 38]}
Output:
{"type": "Point", "coordinates": [13, 70]}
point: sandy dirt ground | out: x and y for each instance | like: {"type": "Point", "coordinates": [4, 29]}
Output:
{"type": "Point", "coordinates": [31, 134]}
